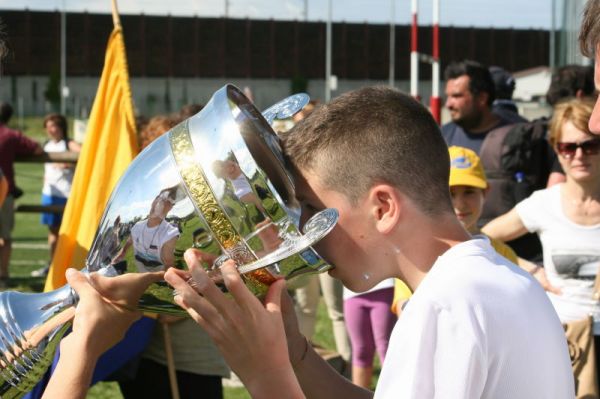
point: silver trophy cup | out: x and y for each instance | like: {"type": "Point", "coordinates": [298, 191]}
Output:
{"type": "Point", "coordinates": [216, 182]}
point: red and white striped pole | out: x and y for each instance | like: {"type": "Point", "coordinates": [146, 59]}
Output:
{"type": "Point", "coordinates": [434, 101]}
{"type": "Point", "coordinates": [414, 55]}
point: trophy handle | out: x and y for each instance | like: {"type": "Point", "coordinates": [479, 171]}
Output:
{"type": "Point", "coordinates": [286, 107]}
{"type": "Point", "coordinates": [316, 228]}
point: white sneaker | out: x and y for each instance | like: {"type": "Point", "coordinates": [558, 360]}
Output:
{"type": "Point", "coordinates": [42, 272]}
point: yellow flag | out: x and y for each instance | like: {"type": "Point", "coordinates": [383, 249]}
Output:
{"type": "Point", "coordinates": [110, 145]}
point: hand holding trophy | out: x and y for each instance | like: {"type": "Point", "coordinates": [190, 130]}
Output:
{"type": "Point", "coordinates": [217, 182]}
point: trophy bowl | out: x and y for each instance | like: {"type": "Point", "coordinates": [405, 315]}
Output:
{"type": "Point", "coordinates": [216, 182]}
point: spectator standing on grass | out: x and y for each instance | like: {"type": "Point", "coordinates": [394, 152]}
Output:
{"type": "Point", "coordinates": [470, 93]}
{"type": "Point", "coordinates": [12, 144]}
{"type": "Point", "coordinates": [58, 178]}
{"type": "Point", "coordinates": [370, 322]}
{"type": "Point", "coordinates": [568, 81]}
{"type": "Point", "coordinates": [566, 216]}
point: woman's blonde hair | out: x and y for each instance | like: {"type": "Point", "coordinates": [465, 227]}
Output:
{"type": "Point", "coordinates": [577, 111]}
{"type": "Point", "coordinates": [156, 127]}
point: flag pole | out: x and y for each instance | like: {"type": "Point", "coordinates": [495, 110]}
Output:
{"type": "Point", "coordinates": [167, 334]}
{"type": "Point", "coordinates": [115, 14]}
{"type": "Point", "coordinates": [170, 361]}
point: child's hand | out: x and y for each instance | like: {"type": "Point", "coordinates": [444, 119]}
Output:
{"type": "Point", "coordinates": [250, 335]}
{"type": "Point", "coordinates": [107, 306]}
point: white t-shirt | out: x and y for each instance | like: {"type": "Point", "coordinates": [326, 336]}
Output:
{"type": "Point", "coordinates": [148, 243]}
{"type": "Point", "coordinates": [387, 283]}
{"type": "Point", "coordinates": [477, 327]}
{"type": "Point", "coordinates": [57, 180]}
{"type": "Point", "coordinates": [571, 254]}
{"type": "Point", "coordinates": [241, 186]}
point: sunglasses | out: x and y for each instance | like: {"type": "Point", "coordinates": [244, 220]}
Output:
{"type": "Point", "coordinates": [568, 150]}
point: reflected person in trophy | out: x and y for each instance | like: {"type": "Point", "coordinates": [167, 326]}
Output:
{"type": "Point", "coordinates": [154, 239]}
{"type": "Point", "coordinates": [268, 233]}
{"type": "Point", "coordinates": [230, 170]}
{"type": "Point", "coordinates": [109, 245]}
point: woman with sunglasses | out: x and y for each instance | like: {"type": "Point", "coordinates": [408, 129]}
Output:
{"type": "Point", "coordinates": [566, 217]}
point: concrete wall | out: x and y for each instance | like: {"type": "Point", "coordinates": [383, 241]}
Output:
{"type": "Point", "coordinates": [149, 93]}
{"type": "Point", "coordinates": [26, 93]}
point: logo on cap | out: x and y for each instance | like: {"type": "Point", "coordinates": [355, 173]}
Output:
{"type": "Point", "coordinates": [461, 163]}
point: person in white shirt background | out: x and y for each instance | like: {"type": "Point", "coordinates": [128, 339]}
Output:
{"type": "Point", "coordinates": [369, 321]}
{"type": "Point", "coordinates": [58, 178]}
{"type": "Point", "coordinates": [230, 170]}
{"type": "Point", "coordinates": [566, 216]}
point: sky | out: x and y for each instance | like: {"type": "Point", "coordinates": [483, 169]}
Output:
{"type": "Point", "coordinates": [482, 13]}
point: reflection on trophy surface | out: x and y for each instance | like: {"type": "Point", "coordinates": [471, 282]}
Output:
{"type": "Point", "coordinates": [153, 238]}
{"type": "Point", "coordinates": [215, 182]}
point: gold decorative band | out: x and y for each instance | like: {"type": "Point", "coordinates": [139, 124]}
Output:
{"type": "Point", "coordinates": [205, 201]}
{"type": "Point", "coordinates": [199, 189]}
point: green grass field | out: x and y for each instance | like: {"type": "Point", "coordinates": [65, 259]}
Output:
{"type": "Point", "coordinates": [30, 252]}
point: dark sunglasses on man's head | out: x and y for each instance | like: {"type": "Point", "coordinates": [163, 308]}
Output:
{"type": "Point", "coordinates": [568, 149]}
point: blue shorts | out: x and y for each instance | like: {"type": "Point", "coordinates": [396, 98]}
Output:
{"type": "Point", "coordinates": [52, 219]}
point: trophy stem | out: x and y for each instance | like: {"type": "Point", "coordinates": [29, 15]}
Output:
{"type": "Point", "coordinates": [31, 327]}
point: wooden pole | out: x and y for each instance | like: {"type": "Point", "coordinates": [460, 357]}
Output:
{"type": "Point", "coordinates": [170, 361]}
{"type": "Point", "coordinates": [115, 14]}
{"type": "Point", "coordinates": [60, 157]}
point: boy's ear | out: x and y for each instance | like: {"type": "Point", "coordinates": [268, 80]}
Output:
{"type": "Point", "coordinates": [386, 206]}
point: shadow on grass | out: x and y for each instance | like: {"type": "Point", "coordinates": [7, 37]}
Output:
{"type": "Point", "coordinates": [26, 284]}
{"type": "Point", "coordinates": [36, 239]}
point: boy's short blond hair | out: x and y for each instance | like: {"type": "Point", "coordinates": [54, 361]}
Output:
{"type": "Point", "coordinates": [374, 135]}
{"type": "Point", "coordinates": [589, 34]}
